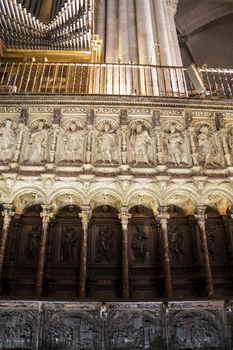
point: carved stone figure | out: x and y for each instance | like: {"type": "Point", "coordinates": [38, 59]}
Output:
{"type": "Point", "coordinates": [139, 246]}
{"type": "Point", "coordinates": [33, 246]}
{"type": "Point", "coordinates": [38, 144]}
{"type": "Point", "coordinates": [68, 245]}
{"type": "Point", "coordinates": [104, 246]}
{"type": "Point", "coordinates": [176, 243]}
{"type": "Point", "coordinates": [230, 141]}
{"type": "Point", "coordinates": [7, 141]}
{"type": "Point", "coordinates": [207, 148]}
{"type": "Point", "coordinates": [107, 143]}
{"type": "Point", "coordinates": [72, 144]}
{"type": "Point", "coordinates": [174, 141]}
{"type": "Point", "coordinates": [140, 141]}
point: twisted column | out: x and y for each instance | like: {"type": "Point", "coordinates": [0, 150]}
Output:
{"type": "Point", "coordinates": [85, 216]}
{"type": "Point", "coordinates": [163, 219]}
{"type": "Point", "coordinates": [201, 217]}
{"type": "Point", "coordinates": [8, 213]}
{"type": "Point", "coordinates": [124, 216]}
{"type": "Point", "coordinates": [46, 215]}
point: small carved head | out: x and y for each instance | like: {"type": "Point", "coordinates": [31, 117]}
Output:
{"type": "Point", "coordinates": [73, 126]}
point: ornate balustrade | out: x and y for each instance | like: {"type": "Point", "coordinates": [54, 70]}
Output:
{"type": "Point", "coordinates": [112, 79]}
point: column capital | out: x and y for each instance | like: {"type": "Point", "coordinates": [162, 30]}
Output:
{"type": "Point", "coordinates": [85, 215]}
{"type": "Point", "coordinates": [163, 212]}
{"type": "Point", "coordinates": [124, 216]}
{"type": "Point", "coordinates": [46, 213]}
{"type": "Point", "coordinates": [201, 213]}
{"type": "Point", "coordinates": [8, 212]}
{"type": "Point", "coordinates": [172, 4]}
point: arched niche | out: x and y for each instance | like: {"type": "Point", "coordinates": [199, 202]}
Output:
{"type": "Point", "coordinates": [22, 252]}
{"type": "Point", "coordinates": [144, 254]}
{"type": "Point", "coordinates": [63, 253]}
{"type": "Point", "coordinates": [220, 247]}
{"type": "Point", "coordinates": [183, 252]}
{"type": "Point", "coordinates": [104, 253]}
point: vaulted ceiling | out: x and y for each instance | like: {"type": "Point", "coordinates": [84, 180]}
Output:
{"type": "Point", "coordinates": [205, 29]}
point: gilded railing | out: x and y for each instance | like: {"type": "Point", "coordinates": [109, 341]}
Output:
{"type": "Point", "coordinates": [115, 79]}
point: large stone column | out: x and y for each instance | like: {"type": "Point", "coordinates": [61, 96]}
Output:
{"type": "Point", "coordinates": [163, 219]}
{"type": "Point", "coordinates": [201, 217]}
{"type": "Point", "coordinates": [85, 215]}
{"type": "Point", "coordinates": [8, 213]}
{"type": "Point", "coordinates": [124, 216]}
{"type": "Point", "coordinates": [46, 215]}
{"type": "Point", "coordinates": [171, 10]}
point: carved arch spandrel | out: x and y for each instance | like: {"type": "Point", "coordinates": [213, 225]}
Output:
{"type": "Point", "coordinates": [105, 198]}
{"type": "Point", "coordinates": [144, 198]}
{"type": "Point", "coordinates": [218, 200]}
{"type": "Point", "coordinates": [25, 198]}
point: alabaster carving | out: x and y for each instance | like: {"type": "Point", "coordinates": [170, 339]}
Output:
{"type": "Point", "coordinates": [71, 142]}
{"type": "Point", "coordinates": [176, 147]}
{"type": "Point", "coordinates": [208, 146]}
{"type": "Point", "coordinates": [141, 144]}
{"type": "Point", "coordinates": [36, 143]}
{"type": "Point", "coordinates": [8, 141]}
{"type": "Point", "coordinates": [107, 143]}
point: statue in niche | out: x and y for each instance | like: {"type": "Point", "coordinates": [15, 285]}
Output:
{"type": "Point", "coordinates": [68, 245]}
{"type": "Point", "coordinates": [104, 246]}
{"type": "Point", "coordinates": [7, 141]}
{"type": "Point", "coordinates": [107, 143]}
{"type": "Point", "coordinates": [176, 244]}
{"type": "Point", "coordinates": [140, 141]}
{"type": "Point", "coordinates": [38, 144]}
{"type": "Point", "coordinates": [175, 146]}
{"type": "Point", "coordinates": [207, 148]}
{"type": "Point", "coordinates": [139, 245]}
{"type": "Point", "coordinates": [230, 141]}
{"type": "Point", "coordinates": [33, 246]}
{"type": "Point", "coordinates": [72, 143]}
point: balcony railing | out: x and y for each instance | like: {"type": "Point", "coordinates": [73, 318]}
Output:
{"type": "Point", "coordinates": [114, 79]}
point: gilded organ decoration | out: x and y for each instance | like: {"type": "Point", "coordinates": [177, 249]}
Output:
{"type": "Point", "coordinates": [71, 142]}
{"type": "Point", "coordinates": [176, 147]}
{"type": "Point", "coordinates": [37, 142]}
{"type": "Point", "coordinates": [8, 141]}
{"type": "Point", "coordinates": [208, 146]}
{"type": "Point", "coordinates": [107, 143]}
{"type": "Point", "coordinates": [141, 143]}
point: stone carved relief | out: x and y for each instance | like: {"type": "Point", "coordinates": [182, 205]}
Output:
{"type": "Point", "coordinates": [208, 146]}
{"type": "Point", "coordinates": [71, 144]}
{"type": "Point", "coordinates": [176, 146]}
{"type": "Point", "coordinates": [105, 246]}
{"type": "Point", "coordinates": [68, 330]}
{"type": "Point", "coordinates": [141, 143]}
{"type": "Point", "coordinates": [37, 143]}
{"type": "Point", "coordinates": [16, 330]}
{"type": "Point", "coordinates": [195, 330]}
{"type": "Point", "coordinates": [107, 142]}
{"type": "Point", "coordinates": [8, 140]}
{"type": "Point", "coordinates": [134, 330]}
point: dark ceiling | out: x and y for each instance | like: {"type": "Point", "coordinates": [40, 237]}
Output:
{"type": "Point", "coordinates": [34, 6]}
{"type": "Point", "coordinates": [205, 30]}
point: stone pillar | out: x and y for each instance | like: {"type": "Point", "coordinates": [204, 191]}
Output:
{"type": "Point", "coordinates": [171, 9]}
{"type": "Point", "coordinates": [124, 216]}
{"type": "Point", "coordinates": [8, 212]}
{"type": "Point", "coordinates": [201, 217]}
{"type": "Point", "coordinates": [163, 219]}
{"type": "Point", "coordinates": [85, 215]}
{"type": "Point", "coordinates": [46, 215]}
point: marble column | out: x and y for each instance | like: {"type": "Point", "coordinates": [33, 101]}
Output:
{"type": "Point", "coordinates": [171, 10]}
{"type": "Point", "coordinates": [163, 219]}
{"type": "Point", "coordinates": [46, 216]}
{"type": "Point", "coordinates": [85, 216]}
{"type": "Point", "coordinates": [201, 217]}
{"type": "Point", "coordinates": [8, 213]}
{"type": "Point", "coordinates": [124, 216]}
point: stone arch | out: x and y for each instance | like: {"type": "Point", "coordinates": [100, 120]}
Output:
{"type": "Point", "coordinates": [144, 198]}
{"type": "Point", "coordinates": [105, 197]}
{"type": "Point", "coordinates": [27, 196]}
{"type": "Point", "coordinates": [220, 199]}
{"type": "Point", "coordinates": [66, 197]}
{"type": "Point", "coordinates": [184, 199]}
